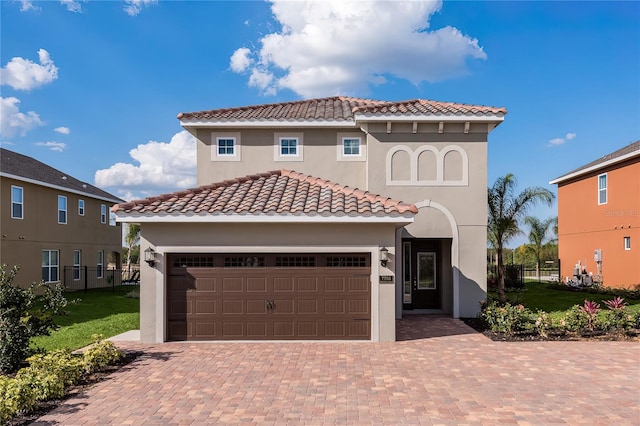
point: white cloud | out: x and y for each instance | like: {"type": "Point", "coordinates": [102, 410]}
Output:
{"type": "Point", "coordinates": [328, 47]}
{"type": "Point", "coordinates": [72, 5]}
{"type": "Point", "coordinates": [53, 146]}
{"type": "Point", "coordinates": [63, 130]}
{"type": "Point", "coordinates": [240, 60]}
{"type": "Point", "coordinates": [561, 141]}
{"type": "Point", "coordinates": [13, 122]}
{"type": "Point", "coordinates": [133, 7]}
{"type": "Point", "coordinates": [161, 167]}
{"type": "Point", "coordinates": [23, 74]}
{"type": "Point", "coordinates": [27, 5]}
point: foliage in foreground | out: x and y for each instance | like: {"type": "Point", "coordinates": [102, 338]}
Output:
{"type": "Point", "coordinates": [25, 313]}
{"type": "Point", "coordinates": [511, 319]}
{"type": "Point", "coordinates": [49, 374]}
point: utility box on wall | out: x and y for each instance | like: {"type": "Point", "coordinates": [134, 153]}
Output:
{"type": "Point", "coordinates": [597, 255]}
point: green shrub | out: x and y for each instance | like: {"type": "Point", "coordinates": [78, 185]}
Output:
{"type": "Point", "coordinates": [506, 318]}
{"type": "Point", "coordinates": [25, 313]}
{"type": "Point", "coordinates": [15, 397]}
{"type": "Point", "coordinates": [100, 354]}
{"type": "Point", "coordinates": [44, 384]}
{"type": "Point", "coordinates": [575, 319]}
{"type": "Point", "coordinates": [61, 362]}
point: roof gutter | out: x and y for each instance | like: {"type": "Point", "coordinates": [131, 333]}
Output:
{"type": "Point", "coordinates": [249, 218]}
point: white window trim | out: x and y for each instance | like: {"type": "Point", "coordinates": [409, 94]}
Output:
{"type": "Point", "coordinates": [627, 243]}
{"type": "Point", "coordinates": [344, 140]}
{"type": "Point", "coordinates": [15, 202]}
{"type": "Point", "coordinates": [237, 146]}
{"type": "Point", "coordinates": [278, 137]}
{"type": "Point", "coordinates": [233, 147]}
{"type": "Point", "coordinates": [100, 264]}
{"type": "Point", "coordinates": [65, 210]}
{"type": "Point", "coordinates": [50, 265]}
{"type": "Point", "coordinates": [103, 213]}
{"type": "Point", "coordinates": [605, 189]}
{"type": "Point", "coordinates": [81, 207]}
{"type": "Point", "coordinates": [76, 266]}
{"type": "Point", "coordinates": [341, 156]}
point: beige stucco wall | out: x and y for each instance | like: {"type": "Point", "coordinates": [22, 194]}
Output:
{"type": "Point", "coordinates": [24, 239]}
{"type": "Point", "coordinates": [257, 155]}
{"type": "Point", "coordinates": [274, 237]}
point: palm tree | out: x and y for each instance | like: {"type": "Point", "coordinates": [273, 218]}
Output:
{"type": "Point", "coordinates": [132, 238]}
{"type": "Point", "coordinates": [538, 231]}
{"type": "Point", "coordinates": [505, 211]}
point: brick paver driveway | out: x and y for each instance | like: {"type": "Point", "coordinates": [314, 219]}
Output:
{"type": "Point", "coordinates": [441, 372]}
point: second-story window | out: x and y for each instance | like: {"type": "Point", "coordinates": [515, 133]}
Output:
{"type": "Point", "coordinates": [226, 147]}
{"type": "Point", "coordinates": [289, 147]}
{"type": "Point", "coordinates": [17, 202]}
{"type": "Point", "coordinates": [602, 189]}
{"type": "Point", "coordinates": [351, 147]}
{"type": "Point", "coordinates": [81, 207]}
{"type": "Point", "coordinates": [103, 213]}
{"type": "Point", "coordinates": [62, 209]}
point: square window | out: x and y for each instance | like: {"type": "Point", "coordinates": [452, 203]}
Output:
{"type": "Point", "coordinates": [17, 205]}
{"type": "Point", "coordinates": [602, 189]}
{"type": "Point", "coordinates": [81, 207]}
{"type": "Point", "coordinates": [288, 147]}
{"type": "Point", "coordinates": [62, 209]}
{"type": "Point", "coordinates": [226, 146]}
{"type": "Point", "coordinates": [351, 146]}
{"type": "Point", "coordinates": [627, 243]}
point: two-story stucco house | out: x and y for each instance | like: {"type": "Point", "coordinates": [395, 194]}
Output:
{"type": "Point", "coordinates": [599, 218]}
{"type": "Point", "coordinates": [384, 215]}
{"type": "Point", "coordinates": [51, 220]}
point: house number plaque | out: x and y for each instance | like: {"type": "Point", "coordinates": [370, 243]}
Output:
{"type": "Point", "coordinates": [386, 279]}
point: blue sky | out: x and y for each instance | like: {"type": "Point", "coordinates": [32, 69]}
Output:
{"type": "Point", "coordinates": [93, 88]}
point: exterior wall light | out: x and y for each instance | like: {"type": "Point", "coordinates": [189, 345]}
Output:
{"type": "Point", "coordinates": [384, 256]}
{"type": "Point", "coordinates": [150, 256]}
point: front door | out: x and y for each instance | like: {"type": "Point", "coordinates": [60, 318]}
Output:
{"type": "Point", "coordinates": [421, 275]}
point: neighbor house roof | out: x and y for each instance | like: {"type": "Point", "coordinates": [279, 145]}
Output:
{"type": "Point", "coordinates": [275, 194]}
{"type": "Point", "coordinates": [342, 109]}
{"type": "Point", "coordinates": [630, 151]}
{"type": "Point", "coordinates": [27, 169]}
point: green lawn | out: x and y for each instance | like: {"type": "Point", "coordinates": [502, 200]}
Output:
{"type": "Point", "coordinates": [539, 296]}
{"type": "Point", "coordinates": [98, 312]}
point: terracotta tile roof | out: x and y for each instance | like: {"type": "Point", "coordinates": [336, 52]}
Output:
{"type": "Point", "coordinates": [20, 166]}
{"type": "Point", "coordinates": [604, 161]}
{"type": "Point", "coordinates": [340, 108]}
{"type": "Point", "coordinates": [281, 192]}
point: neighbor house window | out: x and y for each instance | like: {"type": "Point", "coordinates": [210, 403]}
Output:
{"type": "Point", "coordinates": [62, 209]}
{"type": "Point", "coordinates": [17, 203]}
{"type": "Point", "coordinates": [289, 147]}
{"type": "Point", "coordinates": [77, 261]}
{"type": "Point", "coordinates": [627, 243]}
{"type": "Point", "coordinates": [351, 147]}
{"type": "Point", "coordinates": [103, 213]}
{"type": "Point", "coordinates": [50, 266]}
{"type": "Point", "coordinates": [81, 207]}
{"type": "Point", "coordinates": [602, 189]}
{"type": "Point", "coordinates": [100, 264]}
{"type": "Point", "coordinates": [226, 146]}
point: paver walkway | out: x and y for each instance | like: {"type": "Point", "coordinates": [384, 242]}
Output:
{"type": "Point", "coordinates": [441, 372]}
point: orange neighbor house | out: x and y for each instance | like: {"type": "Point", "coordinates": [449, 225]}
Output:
{"type": "Point", "coordinates": [599, 218]}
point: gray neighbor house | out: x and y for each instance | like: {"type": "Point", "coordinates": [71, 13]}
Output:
{"type": "Point", "coordinates": [321, 219]}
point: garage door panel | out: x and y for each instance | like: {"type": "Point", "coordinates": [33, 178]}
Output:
{"type": "Point", "coordinates": [299, 299]}
{"type": "Point", "coordinates": [232, 285]}
{"type": "Point", "coordinates": [257, 285]}
{"type": "Point", "coordinates": [307, 307]}
{"type": "Point", "coordinates": [283, 284]}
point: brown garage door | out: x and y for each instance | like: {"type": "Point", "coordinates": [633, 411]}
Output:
{"type": "Point", "coordinates": [268, 296]}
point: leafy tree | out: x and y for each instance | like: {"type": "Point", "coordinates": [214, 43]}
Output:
{"type": "Point", "coordinates": [25, 313]}
{"type": "Point", "coordinates": [132, 238]}
{"type": "Point", "coordinates": [506, 208]}
{"type": "Point", "coordinates": [538, 231]}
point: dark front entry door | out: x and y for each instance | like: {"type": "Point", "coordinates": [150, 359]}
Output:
{"type": "Point", "coordinates": [422, 283]}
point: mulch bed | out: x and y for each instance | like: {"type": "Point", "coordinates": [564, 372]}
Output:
{"type": "Point", "coordinates": [478, 325]}
{"type": "Point", "coordinates": [43, 407]}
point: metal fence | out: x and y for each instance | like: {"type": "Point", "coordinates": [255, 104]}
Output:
{"type": "Point", "coordinates": [513, 275]}
{"type": "Point", "coordinates": [78, 278]}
